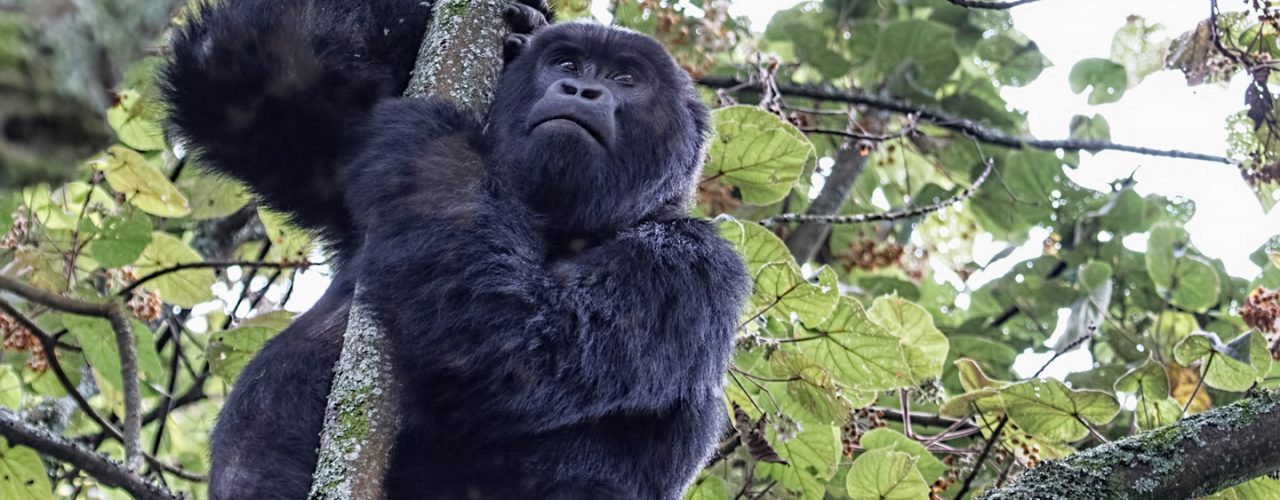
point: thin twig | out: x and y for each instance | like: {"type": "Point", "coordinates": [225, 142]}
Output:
{"type": "Point", "coordinates": [885, 216]}
{"type": "Point", "coordinates": [982, 458]}
{"type": "Point", "coordinates": [951, 122]}
{"type": "Point", "coordinates": [209, 265]}
{"type": "Point", "coordinates": [1199, 384]}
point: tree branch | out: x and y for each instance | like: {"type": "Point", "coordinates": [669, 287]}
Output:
{"type": "Point", "coordinates": [1195, 457]}
{"type": "Point", "coordinates": [884, 216]}
{"type": "Point", "coordinates": [105, 470]}
{"type": "Point", "coordinates": [132, 394]}
{"type": "Point", "coordinates": [979, 4]}
{"type": "Point", "coordinates": [955, 123]}
{"type": "Point", "coordinates": [53, 300]}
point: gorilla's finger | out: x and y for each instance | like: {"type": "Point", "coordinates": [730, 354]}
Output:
{"type": "Point", "coordinates": [513, 46]}
{"type": "Point", "coordinates": [524, 19]}
{"type": "Point", "coordinates": [542, 6]}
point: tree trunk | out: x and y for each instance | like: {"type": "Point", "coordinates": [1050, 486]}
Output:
{"type": "Point", "coordinates": [460, 58]}
{"type": "Point", "coordinates": [1195, 457]}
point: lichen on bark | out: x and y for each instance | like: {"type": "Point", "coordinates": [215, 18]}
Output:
{"type": "Point", "coordinates": [1197, 456]}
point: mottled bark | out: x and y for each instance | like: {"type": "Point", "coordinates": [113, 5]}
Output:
{"type": "Point", "coordinates": [1195, 457]}
{"type": "Point", "coordinates": [460, 57]}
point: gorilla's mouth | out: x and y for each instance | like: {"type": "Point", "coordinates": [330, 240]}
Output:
{"type": "Point", "coordinates": [583, 124]}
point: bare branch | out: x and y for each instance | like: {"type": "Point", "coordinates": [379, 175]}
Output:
{"type": "Point", "coordinates": [129, 377]}
{"type": "Point", "coordinates": [105, 470]}
{"type": "Point", "coordinates": [885, 216]}
{"type": "Point", "coordinates": [955, 123]}
{"type": "Point", "coordinates": [990, 5]}
{"type": "Point", "coordinates": [53, 300]}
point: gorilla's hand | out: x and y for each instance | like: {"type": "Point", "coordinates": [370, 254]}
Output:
{"type": "Point", "coordinates": [525, 18]}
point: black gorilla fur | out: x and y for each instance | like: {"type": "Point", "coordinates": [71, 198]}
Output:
{"type": "Point", "coordinates": [559, 326]}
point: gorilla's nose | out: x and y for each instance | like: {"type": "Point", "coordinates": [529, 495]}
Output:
{"type": "Point", "coordinates": [572, 87]}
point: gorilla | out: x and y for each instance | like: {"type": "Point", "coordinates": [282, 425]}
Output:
{"type": "Point", "coordinates": [559, 326]}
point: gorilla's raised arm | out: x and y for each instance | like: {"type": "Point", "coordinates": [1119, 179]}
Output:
{"type": "Point", "coordinates": [269, 91]}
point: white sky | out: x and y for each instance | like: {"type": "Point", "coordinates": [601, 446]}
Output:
{"type": "Point", "coordinates": [1161, 112]}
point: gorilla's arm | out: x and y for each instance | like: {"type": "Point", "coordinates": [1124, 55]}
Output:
{"type": "Point", "coordinates": [268, 91]}
{"type": "Point", "coordinates": [468, 295]}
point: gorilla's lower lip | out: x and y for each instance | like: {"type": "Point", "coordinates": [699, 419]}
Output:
{"type": "Point", "coordinates": [570, 119]}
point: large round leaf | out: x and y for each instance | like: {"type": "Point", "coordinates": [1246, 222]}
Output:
{"type": "Point", "coordinates": [757, 152]}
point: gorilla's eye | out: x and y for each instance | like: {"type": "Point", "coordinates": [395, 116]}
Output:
{"type": "Point", "coordinates": [625, 79]}
{"type": "Point", "coordinates": [569, 65]}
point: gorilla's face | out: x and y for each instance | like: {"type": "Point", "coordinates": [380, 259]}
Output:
{"type": "Point", "coordinates": [598, 127]}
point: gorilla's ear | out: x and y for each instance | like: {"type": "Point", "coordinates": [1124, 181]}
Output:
{"type": "Point", "coordinates": [513, 47]}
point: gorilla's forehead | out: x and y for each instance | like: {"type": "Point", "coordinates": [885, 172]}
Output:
{"type": "Point", "coordinates": [603, 41]}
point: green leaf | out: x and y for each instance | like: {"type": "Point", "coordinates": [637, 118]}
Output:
{"type": "Point", "coordinates": [289, 243]}
{"type": "Point", "coordinates": [231, 350]}
{"type": "Point", "coordinates": [888, 439]}
{"type": "Point", "coordinates": [98, 343]}
{"type": "Point", "coordinates": [135, 121]}
{"type": "Point", "coordinates": [811, 458]}
{"type": "Point", "coordinates": [121, 240]}
{"type": "Point", "coordinates": [1018, 61]}
{"type": "Point", "coordinates": [1090, 128]}
{"type": "Point", "coordinates": [1230, 367]}
{"type": "Point", "coordinates": [782, 292]}
{"type": "Point", "coordinates": [918, 51]}
{"type": "Point", "coordinates": [813, 397]}
{"type": "Point", "coordinates": [860, 353]}
{"type": "Point", "coordinates": [145, 187]}
{"type": "Point", "coordinates": [1156, 413]}
{"type": "Point", "coordinates": [22, 474]}
{"type": "Point", "coordinates": [708, 487]}
{"type": "Point", "coordinates": [757, 245]}
{"type": "Point", "coordinates": [886, 475]}
{"type": "Point", "coordinates": [1148, 381]}
{"type": "Point", "coordinates": [1140, 48]}
{"type": "Point", "coordinates": [184, 288]}
{"type": "Point", "coordinates": [212, 196]}
{"type": "Point", "coordinates": [1107, 80]}
{"type": "Point", "coordinates": [757, 152]}
{"type": "Point", "coordinates": [10, 388]}
{"type": "Point", "coordinates": [1049, 409]}
{"type": "Point", "coordinates": [924, 347]}
{"type": "Point", "coordinates": [1185, 280]}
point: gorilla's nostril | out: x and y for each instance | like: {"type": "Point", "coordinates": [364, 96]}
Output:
{"type": "Point", "coordinates": [568, 88]}
{"type": "Point", "coordinates": [591, 94]}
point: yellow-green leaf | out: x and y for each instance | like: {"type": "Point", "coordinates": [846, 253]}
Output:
{"type": "Point", "coordinates": [811, 458]}
{"type": "Point", "coordinates": [1049, 409]}
{"type": "Point", "coordinates": [231, 350]}
{"type": "Point", "coordinates": [1236, 366]}
{"type": "Point", "coordinates": [860, 353]}
{"type": "Point", "coordinates": [22, 474]}
{"type": "Point", "coordinates": [781, 291]}
{"type": "Point", "coordinates": [924, 347]}
{"type": "Point", "coordinates": [184, 288]}
{"type": "Point", "coordinates": [145, 187]}
{"type": "Point", "coordinates": [136, 122]}
{"type": "Point", "coordinates": [886, 475]}
{"type": "Point", "coordinates": [288, 242]}
{"type": "Point", "coordinates": [757, 245]}
{"type": "Point", "coordinates": [212, 196]}
{"type": "Point", "coordinates": [757, 152]}
{"type": "Point", "coordinates": [888, 439]}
